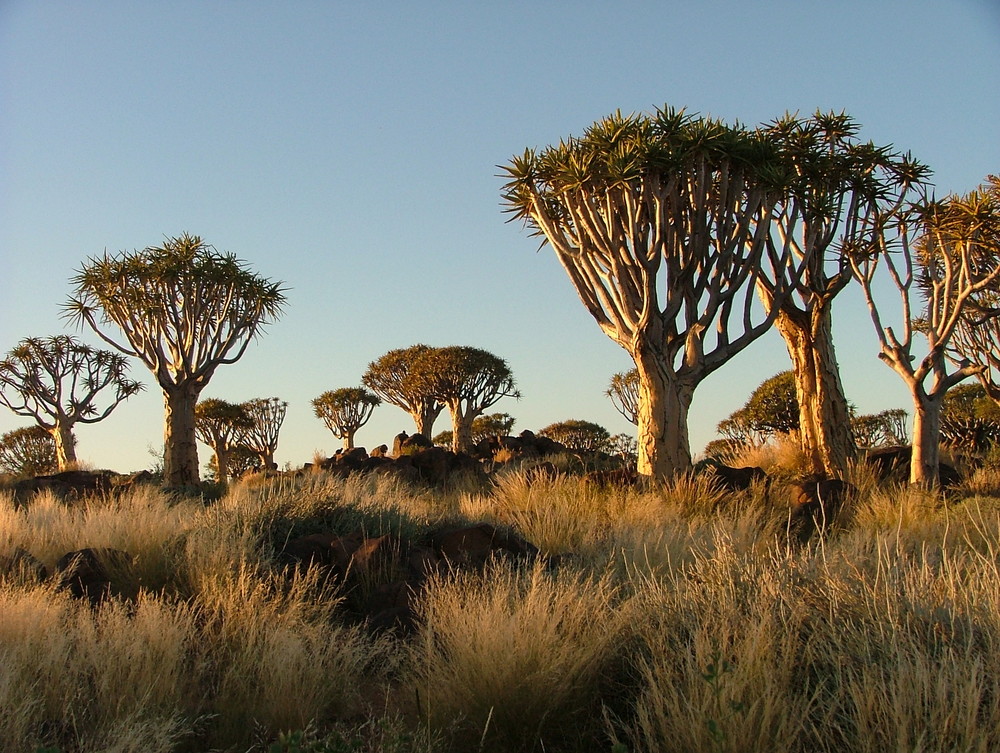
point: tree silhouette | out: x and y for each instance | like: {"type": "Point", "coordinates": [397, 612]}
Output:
{"type": "Point", "coordinates": [467, 380]}
{"type": "Point", "coordinates": [219, 425]}
{"type": "Point", "coordinates": [265, 415]}
{"type": "Point", "coordinates": [184, 309]}
{"type": "Point", "coordinates": [392, 378]}
{"type": "Point", "coordinates": [58, 381]}
{"type": "Point", "coordinates": [28, 451]}
{"type": "Point", "coordinates": [345, 410]}
{"type": "Point", "coordinates": [661, 224]}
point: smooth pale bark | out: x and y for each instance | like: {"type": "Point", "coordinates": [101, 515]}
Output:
{"type": "Point", "coordinates": [925, 461]}
{"type": "Point", "coordinates": [664, 447]}
{"type": "Point", "coordinates": [824, 420]}
{"type": "Point", "coordinates": [349, 440]}
{"type": "Point", "coordinates": [424, 419]}
{"type": "Point", "coordinates": [62, 435]}
{"type": "Point", "coordinates": [461, 427]}
{"type": "Point", "coordinates": [222, 464]}
{"type": "Point", "coordinates": [180, 448]}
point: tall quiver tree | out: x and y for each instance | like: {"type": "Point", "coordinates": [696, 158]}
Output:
{"type": "Point", "coordinates": [219, 425]}
{"type": "Point", "coordinates": [661, 223]}
{"type": "Point", "coordinates": [941, 254]}
{"type": "Point", "coordinates": [623, 392]}
{"type": "Point", "coordinates": [839, 187]}
{"type": "Point", "coordinates": [393, 377]}
{"type": "Point", "coordinates": [345, 410]}
{"type": "Point", "coordinates": [467, 380]}
{"type": "Point", "coordinates": [58, 381]}
{"type": "Point", "coordinates": [266, 415]}
{"type": "Point", "coordinates": [184, 309]}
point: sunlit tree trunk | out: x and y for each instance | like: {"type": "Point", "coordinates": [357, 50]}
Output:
{"type": "Point", "coordinates": [349, 440]}
{"type": "Point", "coordinates": [424, 419]}
{"type": "Point", "coordinates": [824, 419]}
{"type": "Point", "coordinates": [180, 450]}
{"type": "Point", "coordinates": [925, 461]}
{"type": "Point", "coordinates": [461, 428]}
{"type": "Point", "coordinates": [662, 434]}
{"type": "Point", "coordinates": [222, 464]}
{"type": "Point", "coordinates": [65, 443]}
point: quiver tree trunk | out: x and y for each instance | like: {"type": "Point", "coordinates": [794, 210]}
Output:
{"type": "Point", "coordinates": [424, 418]}
{"type": "Point", "coordinates": [461, 429]}
{"type": "Point", "coordinates": [65, 444]}
{"type": "Point", "coordinates": [180, 449]}
{"type": "Point", "coordinates": [222, 464]}
{"type": "Point", "coordinates": [926, 457]}
{"type": "Point", "coordinates": [824, 419]}
{"type": "Point", "coordinates": [664, 448]}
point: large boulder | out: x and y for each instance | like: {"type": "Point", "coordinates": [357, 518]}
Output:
{"type": "Point", "coordinates": [814, 505]}
{"type": "Point", "coordinates": [22, 564]}
{"type": "Point", "coordinates": [473, 546]}
{"type": "Point", "coordinates": [94, 574]}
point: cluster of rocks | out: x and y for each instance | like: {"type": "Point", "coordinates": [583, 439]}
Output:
{"type": "Point", "coordinates": [78, 484]}
{"type": "Point", "coordinates": [381, 576]}
{"type": "Point", "coordinates": [413, 459]}
{"type": "Point", "coordinates": [92, 574]}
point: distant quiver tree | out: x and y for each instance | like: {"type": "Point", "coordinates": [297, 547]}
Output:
{"type": "Point", "coordinates": [393, 377]}
{"type": "Point", "coordinates": [28, 451]}
{"type": "Point", "coordinates": [661, 223]}
{"type": "Point", "coordinates": [266, 415]}
{"type": "Point", "coordinates": [219, 425]}
{"type": "Point", "coordinates": [183, 309]}
{"type": "Point", "coordinates": [468, 380]}
{"type": "Point", "coordinates": [623, 391]}
{"type": "Point", "coordinates": [345, 410]}
{"type": "Point", "coordinates": [59, 381]}
{"type": "Point", "coordinates": [579, 435]}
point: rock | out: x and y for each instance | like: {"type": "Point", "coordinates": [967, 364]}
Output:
{"type": "Point", "coordinates": [814, 505]}
{"type": "Point", "coordinates": [379, 452]}
{"type": "Point", "coordinates": [23, 564]}
{"type": "Point", "coordinates": [91, 573]}
{"type": "Point", "coordinates": [313, 549]}
{"type": "Point", "coordinates": [473, 546]}
{"type": "Point", "coordinates": [730, 478]}
{"type": "Point", "coordinates": [619, 477]}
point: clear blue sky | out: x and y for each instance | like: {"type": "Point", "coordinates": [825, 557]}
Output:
{"type": "Point", "coordinates": [350, 149]}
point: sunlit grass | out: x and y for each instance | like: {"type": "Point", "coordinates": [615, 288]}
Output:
{"type": "Point", "coordinates": [675, 617]}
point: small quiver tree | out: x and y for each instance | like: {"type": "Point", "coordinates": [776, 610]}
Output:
{"type": "Point", "coordinates": [467, 380]}
{"type": "Point", "coordinates": [28, 451]}
{"type": "Point", "coordinates": [579, 436]}
{"type": "Point", "coordinates": [661, 224]}
{"type": "Point", "coordinates": [394, 377]}
{"type": "Point", "coordinates": [184, 309]}
{"type": "Point", "coordinates": [883, 429]}
{"type": "Point", "coordinates": [219, 425]}
{"type": "Point", "coordinates": [940, 254]}
{"type": "Point", "coordinates": [623, 391]}
{"type": "Point", "coordinates": [345, 410]}
{"type": "Point", "coordinates": [265, 415]}
{"type": "Point", "coordinates": [59, 381]}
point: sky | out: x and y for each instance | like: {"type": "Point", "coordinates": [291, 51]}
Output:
{"type": "Point", "coordinates": [351, 150]}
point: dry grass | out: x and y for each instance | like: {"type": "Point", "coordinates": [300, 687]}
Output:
{"type": "Point", "coordinates": [675, 618]}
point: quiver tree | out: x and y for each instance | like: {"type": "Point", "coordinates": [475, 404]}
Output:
{"type": "Point", "coordinates": [970, 419]}
{"type": "Point", "coordinates": [59, 381]}
{"type": "Point", "coordinates": [771, 409]}
{"type": "Point", "coordinates": [623, 391]}
{"type": "Point", "coordinates": [467, 380]}
{"type": "Point", "coordinates": [393, 378]}
{"type": "Point", "coordinates": [661, 224]}
{"type": "Point", "coordinates": [219, 425]}
{"type": "Point", "coordinates": [265, 416]}
{"type": "Point", "coordinates": [884, 429]}
{"type": "Point", "coordinates": [579, 436]}
{"type": "Point", "coordinates": [977, 335]}
{"type": "Point", "coordinates": [838, 189]}
{"type": "Point", "coordinates": [345, 410]}
{"type": "Point", "coordinates": [483, 428]}
{"type": "Point", "coordinates": [184, 309]}
{"type": "Point", "coordinates": [28, 451]}
{"type": "Point", "coordinates": [943, 253]}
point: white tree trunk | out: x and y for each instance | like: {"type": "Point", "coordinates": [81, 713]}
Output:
{"type": "Point", "coordinates": [180, 448]}
{"type": "Point", "coordinates": [824, 420]}
{"type": "Point", "coordinates": [926, 453]}
{"type": "Point", "coordinates": [664, 402]}
{"type": "Point", "coordinates": [461, 428]}
{"type": "Point", "coordinates": [65, 443]}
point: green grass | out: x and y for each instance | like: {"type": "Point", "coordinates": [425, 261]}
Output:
{"type": "Point", "coordinates": [670, 619]}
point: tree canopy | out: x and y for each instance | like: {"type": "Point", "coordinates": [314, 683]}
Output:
{"type": "Point", "coordinates": [345, 410]}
